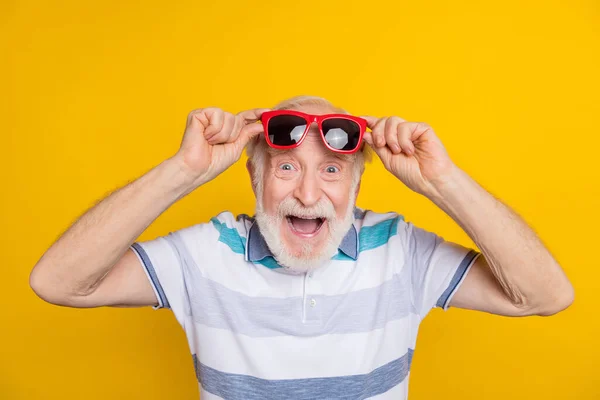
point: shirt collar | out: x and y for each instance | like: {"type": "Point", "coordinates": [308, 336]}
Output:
{"type": "Point", "coordinates": [257, 248]}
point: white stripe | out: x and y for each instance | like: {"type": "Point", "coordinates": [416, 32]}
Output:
{"type": "Point", "coordinates": [441, 269]}
{"type": "Point", "coordinates": [143, 266]}
{"type": "Point", "coordinates": [339, 277]}
{"type": "Point", "coordinates": [218, 263]}
{"type": "Point", "coordinates": [288, 357]}
{"type": "Point", "coordinates": [458, 285]}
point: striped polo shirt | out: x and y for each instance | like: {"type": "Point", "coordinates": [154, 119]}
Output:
{"type": "Point", "coordinates": [346, 330]}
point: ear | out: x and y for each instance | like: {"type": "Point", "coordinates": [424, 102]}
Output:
{"type": "Point", "coordinates": [251, 172]}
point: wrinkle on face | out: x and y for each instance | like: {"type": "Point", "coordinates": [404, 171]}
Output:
{"type": "Point", "coordinates": [319, 177]}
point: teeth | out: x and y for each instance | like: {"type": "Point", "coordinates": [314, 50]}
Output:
{"type": "Point", "coordinates": [306, 217]}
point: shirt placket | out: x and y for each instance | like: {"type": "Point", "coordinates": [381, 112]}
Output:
{"type": "Point", "coordinates": [311, 303]}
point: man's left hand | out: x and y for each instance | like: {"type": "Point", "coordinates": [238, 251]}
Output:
{"type": "Point", "coordinates": [411, 151]}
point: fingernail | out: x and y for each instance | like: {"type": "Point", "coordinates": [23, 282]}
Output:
{"type": "Point", "coordinates": [396, 148]}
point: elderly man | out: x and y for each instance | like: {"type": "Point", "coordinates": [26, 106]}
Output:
{"type": "Point", "coordinates": [313, 297]}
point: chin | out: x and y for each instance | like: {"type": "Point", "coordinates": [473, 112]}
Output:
{"type": "Point", "coordinates": [302, 239]}
{"type": "Point", "coordinates": [301, 251]}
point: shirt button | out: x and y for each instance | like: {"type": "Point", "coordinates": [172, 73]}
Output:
{"type": "Point", "coordinates": [310, 274]}
{"type": "Point", "coordinates": [313, 302]}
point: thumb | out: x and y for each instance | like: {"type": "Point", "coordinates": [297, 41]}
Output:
{"type": "Point", "coordinates": [248, 132]}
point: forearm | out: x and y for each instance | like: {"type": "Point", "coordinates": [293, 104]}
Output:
{"type": "Point", "coordinates": [525, 269]}
{"type": "Point", "coordinates": [86, 252]}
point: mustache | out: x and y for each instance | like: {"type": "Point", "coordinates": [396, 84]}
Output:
{"type": "Point", "coordinates": [290, 206]}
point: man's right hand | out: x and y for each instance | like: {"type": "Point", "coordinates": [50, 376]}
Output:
{"type": "Point", "coordinates": [91, 264]}
{"type": "Point", "coordinates": [214, 140]}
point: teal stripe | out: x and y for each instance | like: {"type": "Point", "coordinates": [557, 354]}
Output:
{"type": "Point", "coordinates": [230, 237]}
{"type": "Point", "coordinates": [342, 257]}
{"type": "Point", "coordinates": [371, 237]}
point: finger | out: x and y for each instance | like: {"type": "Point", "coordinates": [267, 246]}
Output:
{"type": "Point", "coordinates": [367, 137]}
{"type": "Point", "coordinates": [405, 132]}
{"type": "Point", "coordinates": [378, 132]}
{"type": "Point", "coordinates": [224, 135]}
{"type": "Point", "coordinates": [238, 124]}
{"type": "Point", "coordinates": [215, 118]}
{"type": "Point", "coordinates": [421, 129]}
{"type": "Point", "coordinates": [253, 115]}
{"type": "Point", "coordinates": [371, 121]}
{"type": "Point", "coordinates": [383, 152]}
{"type": "Point", "coordinates": [391, 134]}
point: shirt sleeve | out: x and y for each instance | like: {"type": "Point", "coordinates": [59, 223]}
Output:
{"type": "Point", "coordinates": [438, 268]}
{"type": "Point", "coordinates": [164, 260]}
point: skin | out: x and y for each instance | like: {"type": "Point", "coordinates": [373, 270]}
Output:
{"type": "Point", "coordinates": [517, 275]}
{"type": "Point", "coordinates": [91, 264]}
{"type": "Point", "coordinates": [308, 173]}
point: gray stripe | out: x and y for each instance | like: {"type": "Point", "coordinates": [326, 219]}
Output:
{"type": "Point", "coordinates": [246, 387]}
{"type": "Point", "coordinates": [217, 306]}
{"type": "Point", "coordinates": [162, 298]}
{"type": "Point", "coordinates": [458, 276]}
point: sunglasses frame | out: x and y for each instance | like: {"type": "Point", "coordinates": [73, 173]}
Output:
{"type": "Point", "coordinates": [310, 118]}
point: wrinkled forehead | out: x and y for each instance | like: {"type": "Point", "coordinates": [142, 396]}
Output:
{"type": "Point", "coordinates": [316, 109]}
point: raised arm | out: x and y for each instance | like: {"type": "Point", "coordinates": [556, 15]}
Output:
{"type": "Point", "coordinates": [517, 275]}
{"type": "Point", "coordinates": [90, 264]}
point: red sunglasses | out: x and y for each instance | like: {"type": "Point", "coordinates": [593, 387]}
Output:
{"type": "Point", "coordinates": [286, 129]}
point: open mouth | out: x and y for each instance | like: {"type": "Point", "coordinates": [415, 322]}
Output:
{"type": "Point", "coordinates": [305, 227]}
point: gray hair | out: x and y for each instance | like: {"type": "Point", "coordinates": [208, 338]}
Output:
{"type": "Point", "coordinates": [258, 148]}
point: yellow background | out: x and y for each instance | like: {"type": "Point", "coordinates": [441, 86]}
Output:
{"type": "Point", "coordinates": [93, 94]}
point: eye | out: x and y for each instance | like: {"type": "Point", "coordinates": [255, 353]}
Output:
{"type": "Point", "coordinates": [286, 167]}
{"type": "Point", "coordinates": [332, 169]}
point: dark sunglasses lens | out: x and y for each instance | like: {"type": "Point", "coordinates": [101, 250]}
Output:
{"type": "Point", "coordinates": [286, 130]}
{"type": "Point", "coordinates": [341, 134]}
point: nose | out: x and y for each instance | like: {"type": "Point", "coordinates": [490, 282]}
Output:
{"type": "Point", "coordinates": [308, 191]}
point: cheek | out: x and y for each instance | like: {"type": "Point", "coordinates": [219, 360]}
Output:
{"type": "Point", "coordinates": [274, 191]}
{"type": "Point", "coordinates": [340, 198]}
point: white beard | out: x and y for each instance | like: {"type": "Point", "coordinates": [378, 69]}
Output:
{"type": "Point", "coordinates": [270, 227]}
